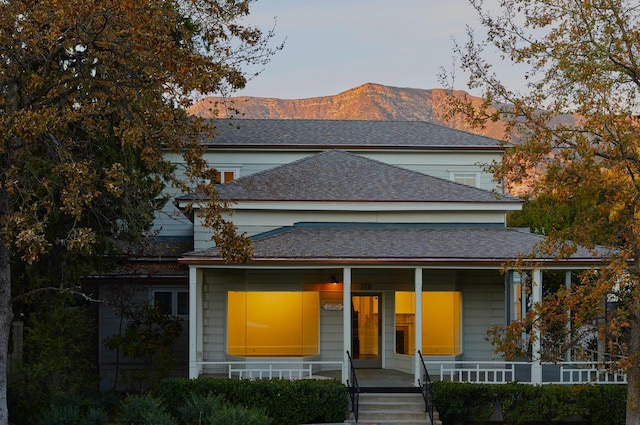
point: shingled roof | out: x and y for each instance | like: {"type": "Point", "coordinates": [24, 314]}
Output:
{"type": "Point", "coordinates": [344, 134]}
{"type": "Point", "coordinates": [375, 243]}
{"type": "Point", "coordinates": [341, 176]}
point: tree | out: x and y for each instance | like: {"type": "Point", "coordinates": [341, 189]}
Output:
{"type": "Point", "coordinates": [579, 60]}
{"type": "Point", "coordinates": [92, 96]}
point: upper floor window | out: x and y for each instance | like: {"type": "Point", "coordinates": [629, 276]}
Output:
{"type": "Point", "coordinates": [225, 175]}
{"type": "Point", "coordinates": [470, 179]}
{"type": "Point", "coordinates": [173, 302]}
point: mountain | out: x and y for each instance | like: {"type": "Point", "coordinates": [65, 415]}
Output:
{"type": "Point", "coordinates": [366, 102]}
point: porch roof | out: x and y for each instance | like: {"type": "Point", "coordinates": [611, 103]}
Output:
{"type": "Point", "coordinates": [345, 134]}
{"type": "Point", "coordinates": [392, 244]}
{"type": "Point", "coordinates": [340, 176]}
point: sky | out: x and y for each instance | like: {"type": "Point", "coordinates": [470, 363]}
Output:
{"type": "Point", "coordinates": [334, 45]}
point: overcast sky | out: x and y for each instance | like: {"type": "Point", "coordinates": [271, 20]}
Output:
{"type": "Point", "coordinates": [335, 45]}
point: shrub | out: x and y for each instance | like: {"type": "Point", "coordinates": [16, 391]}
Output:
{"type": "Point", "coordinates": [602, 404]}
{"type": "Point", "coordinates": [458, 403]}
{"type": "Point", "coordinates": [143, 410]}
{"type": "Point", "coordinates": [285, 402]}
{"type": "Point", "coordinates": [238, 415]}
{"type": "Point", "coordinates": [199, 409]}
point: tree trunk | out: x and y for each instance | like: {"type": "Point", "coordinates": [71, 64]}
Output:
{"type": "Point", "coordinates": [6, 314]}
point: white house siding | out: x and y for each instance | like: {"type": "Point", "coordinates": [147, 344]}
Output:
{"type": "Point", "coordinates": [436, 163]}
{"type": "Point", "coordinates": [171, 223]}
{"type": "Point", "coordinates": [331, 328]}
{"type": "Point", "coordinates": [109, 324]}
{"type": "Point", "coordinates": [482, 307]}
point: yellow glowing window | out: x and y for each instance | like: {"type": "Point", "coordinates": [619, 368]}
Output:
{"type": "Point", "coordinates": [273, 324]}
{"type": "Point", "coordinates": [440, 323]}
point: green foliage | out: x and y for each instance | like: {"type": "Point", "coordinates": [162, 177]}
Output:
{"type": "Point", "coordinates": [73, 411]}
{"type": "Point", "coordinates": [143, 410]}
{"type": "Point", "coordinates": [199, 409]}
{"type": "Point", "coordinates": [285, 402]}
{"type": "Point", "coordinates": [603, 404]}
{"type": "Point", "coordinates": [56, 364]}
{"type": "Point", "coordinates": [460, 403]}
{"type": "Point", "coordinates": [149, 335]}
{"type": "Point", "coordinates": [238, 415]}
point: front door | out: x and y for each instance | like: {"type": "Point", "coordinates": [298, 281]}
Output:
{"type": "Point", "coordinates": [366, 331]}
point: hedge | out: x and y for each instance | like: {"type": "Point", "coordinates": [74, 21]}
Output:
{"type": "Point", "coordinates": [285, 402]}
{"type": "Point", "coordinates": [460, 403]}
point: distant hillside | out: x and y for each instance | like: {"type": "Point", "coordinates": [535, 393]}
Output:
{"type": "Point", "coordinates": [366, 102]}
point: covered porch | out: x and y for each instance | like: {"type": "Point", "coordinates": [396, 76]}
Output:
{"type": "Point", "coordinates": [293, 316]}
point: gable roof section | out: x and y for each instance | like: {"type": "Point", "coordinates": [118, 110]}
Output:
{"type": "Point", "coordinates": [374, 244]}
{"type": "Point", "coordinates": [344, 134]}
{"type": "Point", "coordinates": [340, 176]}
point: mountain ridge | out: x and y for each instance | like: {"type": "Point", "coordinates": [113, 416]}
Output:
{"type": "Point", "coordinates": [369, 101]}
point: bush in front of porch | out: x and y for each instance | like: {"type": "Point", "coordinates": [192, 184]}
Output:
{"type": "Point", "coordinates": [514, 404]}
{"type": "Point", "coordinates": [285, 402]}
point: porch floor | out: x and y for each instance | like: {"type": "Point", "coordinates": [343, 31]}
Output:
{"type": "Point", "coordinates": [375, 378]}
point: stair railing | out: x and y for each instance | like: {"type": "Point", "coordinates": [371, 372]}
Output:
{"type": "Point", "coordinates": [426, 387]}
{"type": "Point", "coordinates": [354, 388]}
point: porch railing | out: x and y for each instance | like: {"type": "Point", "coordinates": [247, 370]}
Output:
{"type": "Point", "coordinates": [354, 388]}
{"type": "Point", "coordinates": [500, 372]}
{"type": "Point", "coordinates": [426, 387]}
{"type": "Point", "coordinates": [272, 369]}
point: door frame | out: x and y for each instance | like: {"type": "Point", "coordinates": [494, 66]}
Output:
{"type": "Point", "coordinates": [367, 363]}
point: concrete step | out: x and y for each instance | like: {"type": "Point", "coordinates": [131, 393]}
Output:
{"type": "Point", "coordinates": [394, 408]}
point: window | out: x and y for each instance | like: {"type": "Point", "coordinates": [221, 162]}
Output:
{"type": "Point", "coordinates": [470, 179]}
{"type": "Point", "coordinates": [173, 302]}
{"type": "Point", "coordinates": [440, 323]}
{"type": "Point", "coordinates": [225, 175]}
{"type": "Point", "coordinates": [273, 324]}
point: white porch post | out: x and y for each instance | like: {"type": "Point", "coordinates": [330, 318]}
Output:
{"type": "Point", "coordinates": [417, 369]}
{"type": "Point", "coordinates": [567, 284]}
{"type": "Point", "coordinates": [536, 298]}
{"type": "Point", "coordinates": [346, 319]}
{"type": "Point", "coordinates": [195, 320]}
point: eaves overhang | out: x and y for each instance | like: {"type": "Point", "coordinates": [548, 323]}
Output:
{"type": "Point", "coordinates": [333, 205]}
{"type": "Point", "coordinates": [458, 263]}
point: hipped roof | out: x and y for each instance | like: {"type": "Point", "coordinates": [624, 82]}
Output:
{"type": "Point", "coordinates": [390, 244]}
{"type": "Point", "coordinates": [339, 176]}
{"type": "Point", "coordinates": [344, 134]}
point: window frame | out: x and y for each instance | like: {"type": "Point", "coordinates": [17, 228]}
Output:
{"type": "Point", "coordinates": [175, 304]}
{"type": "Point", "coordinates": [466, 175]}
{"type": "Point", "coordinates": [221, 171]}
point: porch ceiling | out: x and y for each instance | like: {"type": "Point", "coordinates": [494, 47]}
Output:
{"type": "Point", "coordinates": [388, 245]}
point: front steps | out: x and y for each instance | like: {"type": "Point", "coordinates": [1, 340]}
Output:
{"type": "Point", "coordinates": [394, 408]}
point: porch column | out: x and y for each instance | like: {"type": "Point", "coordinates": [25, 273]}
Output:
{"type": "Point", "coordinates": [536, 298]}
{"type": "Point", "coordinates": [567, 284]}
{"type": "Point", "coordinates": [417, 369]}
{"type": "Point", "coordinates": [346, 319]}
{"type": "Point", "coordinates": [195, 321]}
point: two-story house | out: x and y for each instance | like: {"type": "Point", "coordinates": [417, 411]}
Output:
{"type": "Point", "coordinates": [381, 242]}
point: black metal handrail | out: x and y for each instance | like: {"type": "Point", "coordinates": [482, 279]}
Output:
{"type": "Point", "coordinates": [427, 388]}
{"type": "Point", "coordinates": [354, 388]}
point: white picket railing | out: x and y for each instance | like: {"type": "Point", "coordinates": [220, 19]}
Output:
{"type": "Point", "coordinates": [272, 369]}
{"type": "Point", "coordinates": [501, 372]}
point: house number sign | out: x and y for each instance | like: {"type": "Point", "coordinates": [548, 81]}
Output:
{"type": "Point", "coordinates": [366, 286]}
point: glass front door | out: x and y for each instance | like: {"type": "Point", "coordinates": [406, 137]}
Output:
{"type": "Point", "coordinates": [366, 328]}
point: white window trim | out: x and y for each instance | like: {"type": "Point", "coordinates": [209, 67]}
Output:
{"type": "Point", "coordinates": [475, 174]}
{"type": "Point", "coordinates": [174, 299]}
{"type": "Point", "coordinates": [222, 170]}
